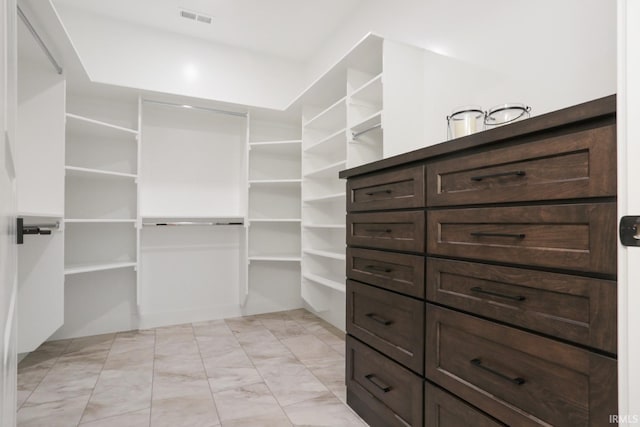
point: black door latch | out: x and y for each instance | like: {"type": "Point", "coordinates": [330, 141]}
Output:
{"type": "Point", "coordinates": [630, 230]}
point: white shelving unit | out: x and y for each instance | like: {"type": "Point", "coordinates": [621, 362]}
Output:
{"type": "Point", "coordinates": [89, 268]}
{"type": "Point", "coordinates": [274, 224]}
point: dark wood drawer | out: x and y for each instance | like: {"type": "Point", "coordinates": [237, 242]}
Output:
{"type": "Point", "coordinates": [574, 165]}
{"type": "Point", "coordinates": [391, 323]}
{"type": "Point", "coordinates": [403, 231]}
{"type": "Point", "coordinates": [573, 237]}
{"type": "Point", "coordinates": [397, 272]}
{"type": "Point", "coordinates": [575, 308]}
{"type": "Point", "coordinates": [519, 378]}
{"type": "Point", "coordinates": [442, 409]}
{"type": "Point", "coordinates": [380, 390]}
{"type": "Point", "coordinates": [398, 189]}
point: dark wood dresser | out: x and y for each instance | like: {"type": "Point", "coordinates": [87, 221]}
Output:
{"type": "Point", "coordinates": [481, 277]}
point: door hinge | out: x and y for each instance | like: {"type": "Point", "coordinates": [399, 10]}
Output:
{"type": "Point", "coordinates": [630, 230]}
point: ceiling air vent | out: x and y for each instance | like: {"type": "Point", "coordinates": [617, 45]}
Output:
{"type": "Point", "coordinates": [195, 16]}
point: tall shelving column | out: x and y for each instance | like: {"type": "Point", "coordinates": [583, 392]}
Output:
{"type": "Point", "coordinates": [274, 217]}
{"type": "Point", "coordinates": [101, 243]}
{"type": "Point", "coordinates": [324, 154]}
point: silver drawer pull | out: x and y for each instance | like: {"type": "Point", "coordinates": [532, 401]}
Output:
{"type": "Point", "coordinates": [376, 382]}
{"type": "Point", "coordinates": [516, 381]}
{"type": "Point", "coordinates": [373, 193]}
{"type": "Point", "coordinates": [497, 175]}
{"type": "Point", "coordinates": [479, 290]}
{"type": "Point", "coordinates": [378, 268]}
{"type": "Point", "coordinates": [514, 235]}
{"type": "Point", "coordinates": [379, 319]}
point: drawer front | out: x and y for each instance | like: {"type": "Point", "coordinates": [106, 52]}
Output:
{"type": "Point", "coordinates": [397, 272]}
{"type": "Point", "coordinates": [398, 189]}
{"type": "Point", "coordinates": [403, 231]}
{"type": "Point", "coordinates": [391, 394]}
{"type": "Point", "coordinates": [391, 323]}
{"type": "Point", "coordinates": [575, 308]}
{"type": "Point", "coordinates": [517, 377]}
{"type": "Point", "coordinates": [575, 165]}
{"type": "Point", "coordinates": [574, 237]}
{"type": "Point", "coordinates": [442, 409]}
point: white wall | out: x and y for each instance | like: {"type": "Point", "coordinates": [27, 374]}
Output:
{"type": "Point", "coordinates": [122, 54]}
{"type": "Point", "coordinates": [547, 54]}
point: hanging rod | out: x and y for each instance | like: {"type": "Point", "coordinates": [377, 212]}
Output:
{"type": "Point", "coordinates": [362, 132]}
{"type": "Point", "coordinates": [40, 42]}
{"type": "Point", "coordinates": [194, 107]}
{"type": "Point", "coordinates": [181, 223]}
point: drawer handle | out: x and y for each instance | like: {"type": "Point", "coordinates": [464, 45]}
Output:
{"type": "Point", "coordinates": [377, 268]}
{"type": "Point", "coordinates": [497, 294]}
{"type": "Point", "coordinates": [373, 193]}
{"type": "Point", "coordinates": [516, 381]}
{"type": "Point", "coordinates": [514, 235]}
{"type": "Point", "coordinates": [497, 175]}
{"type": "Point", "coordinates": [379, 319]}
{"type": "Point", "coordinates": [376, 382]}
{"type": "Point", "coordinates": [378, 230]}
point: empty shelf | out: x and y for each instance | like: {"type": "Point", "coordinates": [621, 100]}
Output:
{"type": "Point", "coordinates": [329, 143]}
{"type": "Point", "coordinates": [267, 144]}
{"type": "Point", "coordinates": [329, 226]}
{"type": "Point", "coordinates": [88, 268]}
{"type": "Point", "coordinates": [97, 221]}
{"type": "Point", "coordinates": [327, 198]}
{"type": "Point", "coordinates": [329, 171]}
{"type": "Point", "coordinates": [338, 286]}
{"type": "Point", "coordinates": [326, 254]}
{"type": "Point", "coordinates": [78, 171]}
{"type": "Point", "coordinates": [274, 258]}
{"type": "Point", "coordinates": [373, 120]}
{"type": "Point", "coordinates": [274, 181]}
{"type": "Point", "coordinates": [79, 122]}
{"type": "Point", "coordinates": [370, 92]}
{"type": "Point", "coordinates": [330, 118]}
{"type": "Point", "coordinates": [267, 220]}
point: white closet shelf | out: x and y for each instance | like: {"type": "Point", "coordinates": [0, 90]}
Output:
{"type": "Point", "coordinates": [268, 144]}
{"type": "Point", "coordinates": [88, 268]}
{"type": "Point", "coordinates": [370, 92]}
{"type": "Point", "coordinates": [96, 124]}
{"type": "Point", "coordinates": [329, 143]}
{"type": "Point", "coordinates": [326, 226]}
{"type": "Point", "coordinates": [275, 258]}
{"type": "Point", "coordinates": [98, 221]}
{"type": "Point", "coordinates": [338, 286]}
{"type": "Point", "coordinates": [40, 214]}
{"type": "Point", "coordinates": [330, 117]}
{"type": "Point", "coordinates": [78, 171]}
{"type": "Point", "coordinates": [269, 220]}
{"type": "Point", "coordinates": [372, 120]}
{"type": "Point", "coordinates": [327, 198]}
{"type": "Point", "coordinates": [329, 171]}
{"type": "Point", "coordinates": [326, 254]}
{"type": "Point", "coordinates": [274, 181]}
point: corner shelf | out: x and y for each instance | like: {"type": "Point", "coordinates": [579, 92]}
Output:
{"type": "Point", "coordinates": [338, 286]}
{"type": "Point", "coordinates": [88, 268]}
{"type": "Point", "coordinates": [368, 122]}
{"type": "Point", "coordinates": [325, 254]}
{"type": "Point", "coordinates": [78, 171]}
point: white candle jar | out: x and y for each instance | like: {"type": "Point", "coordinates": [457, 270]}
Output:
{"type": "Point", "coordinates": [506, 113]}
{"type": "Point", "coordinates": [464, 121]}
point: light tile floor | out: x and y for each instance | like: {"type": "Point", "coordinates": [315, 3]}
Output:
{"type": "Point", "coordinates": [276, 369]}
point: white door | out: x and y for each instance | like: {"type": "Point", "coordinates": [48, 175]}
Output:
{"type": "Point", "coordinates": [629, 204]}
{"type": "Point", "coordinates": [8, 261]}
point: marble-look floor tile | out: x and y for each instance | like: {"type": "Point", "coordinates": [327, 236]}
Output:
{"type": "Point", "coordinates": [65, 381]}
{"type": "Point", "coordinates": [245, 402]}
{"type": "Point", "coordinates": [244, 324]}
{"type": "Point", "coordinates": [230, 359]}
{"type": "Point", "coordinates": [168, 385]}
{"type": "Point", "coordinates": [274, 418]}
{"type": "Point", "coordinates": [293, 387]}
{"type": "Point", "coordinates": [132, 419]}
{"type": "Point", "coordinates": [229, 378]}
{"type": "Point", "coordinates": [213, 328]}
{"type": "Point", "coordinates": [189, 411]}
{"type": "Point", "coordinates": [88, 345]}
{"type": "Point", "coordinates": [309, 347]}
{"type": "Point", "coordinates": [284, 328]}
{"type": "Point", "coordinates": [322, 411]}
{"type": "Point", "coordinates": [60, 413]}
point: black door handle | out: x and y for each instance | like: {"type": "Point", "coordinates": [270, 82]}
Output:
{"type": "Point", "coordinates": [22, 230]}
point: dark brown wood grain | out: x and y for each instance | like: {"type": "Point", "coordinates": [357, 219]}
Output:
{"type": "Point", "coordinates": [578, 309]}
{"type": "Point", "coordinates": [442, 409]}
{"type": "Point", "coordinates": [390, 323]}
{"type": "Point", "coordinates": [575, 165]}
{"type": "Point", "coordinates": [403, 231]}
{"type": "Point", "coordinates": [555, 378]}
{"type": "Point", "coordinates": [578, 237]}
{"type": "Point", "coordinates": [396, 272]}
{"type": "Point", "coordinates": [602, 109]}
{"type": "Point", "coordinates": [395, 189]}
{"type": "Point", "coordinates": [400, 405]}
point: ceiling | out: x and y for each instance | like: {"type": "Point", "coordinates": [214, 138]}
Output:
{"type": "Point", "coordinates": [291, 29]}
